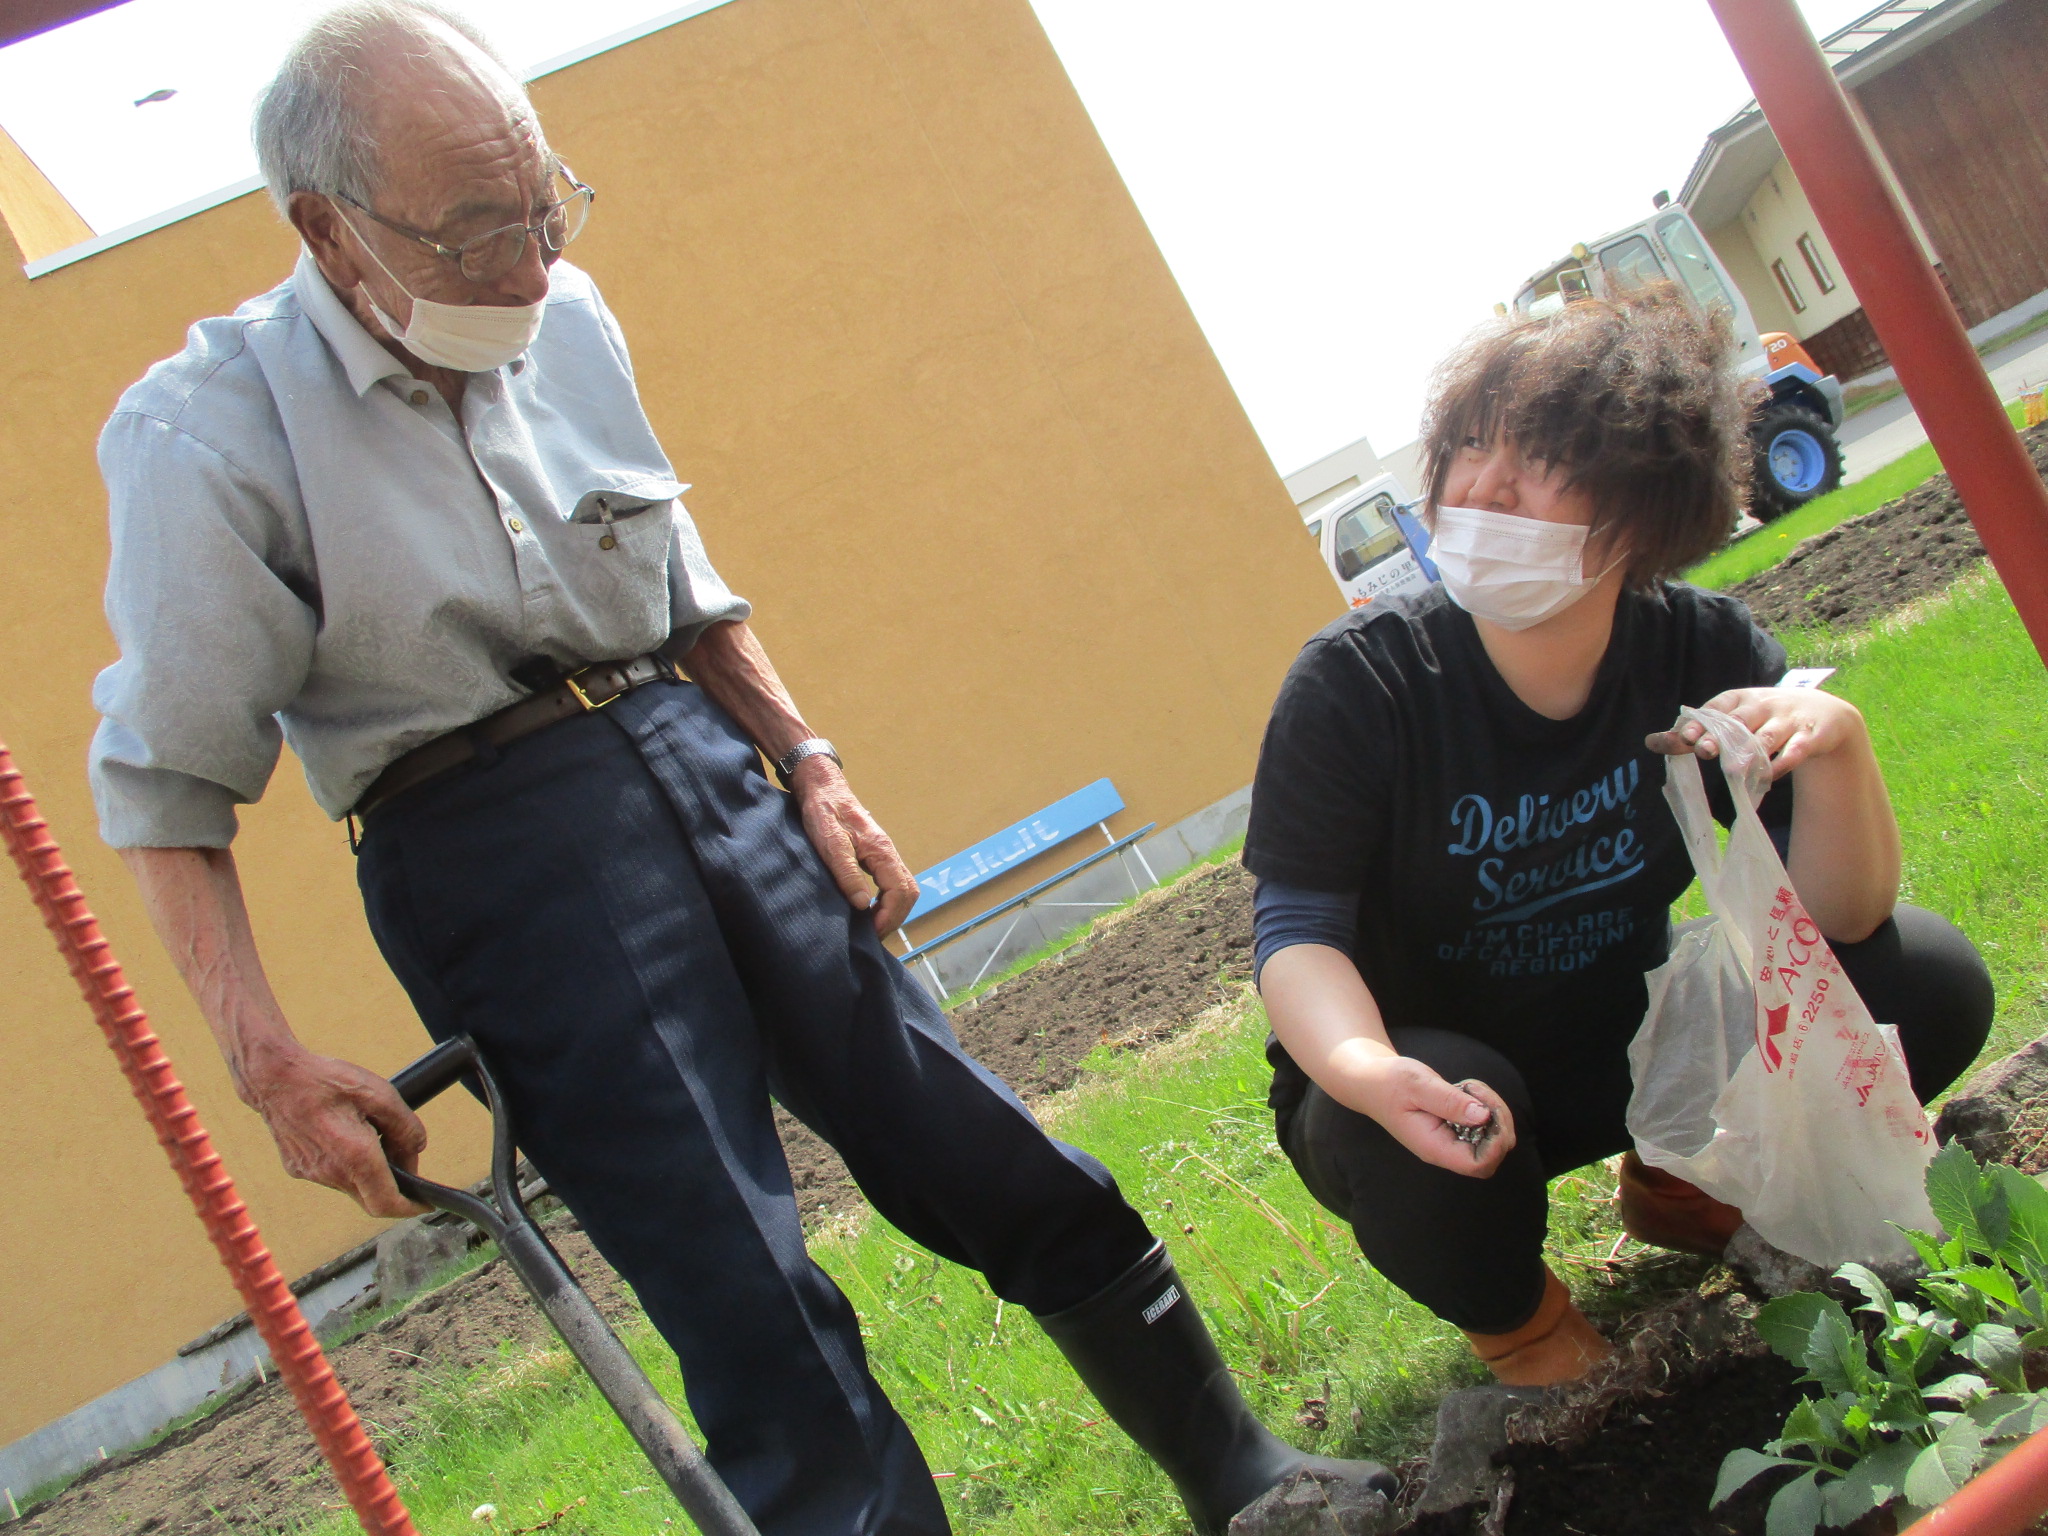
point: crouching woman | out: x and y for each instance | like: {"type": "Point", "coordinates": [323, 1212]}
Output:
{"type": "Point", "coordinates": [1464, 856]}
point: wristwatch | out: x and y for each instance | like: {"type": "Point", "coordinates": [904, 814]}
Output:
{"type": "Point", "coordinates": [813, 746]}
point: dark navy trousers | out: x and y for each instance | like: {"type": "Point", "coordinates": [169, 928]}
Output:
{"type": "Point", "coordinates": [629, 918]}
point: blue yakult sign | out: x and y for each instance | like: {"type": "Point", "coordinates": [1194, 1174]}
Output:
{"type": "Point", "coordinates": [988, 858]}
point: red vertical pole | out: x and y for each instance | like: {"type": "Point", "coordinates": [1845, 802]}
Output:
{"type": "Point", "coordinates": [1941, 372]}
{"type": "Point", "coordinates": [272, 1307]}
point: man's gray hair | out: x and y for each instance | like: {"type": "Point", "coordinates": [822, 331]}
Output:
{"type": "Point", "coordinates": [313, 128]}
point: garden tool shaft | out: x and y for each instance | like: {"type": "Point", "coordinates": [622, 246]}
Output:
{"type": "Point", "coordinates": [644, 1412]}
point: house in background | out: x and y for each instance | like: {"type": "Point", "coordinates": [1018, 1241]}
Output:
{"type": "Point", "coordinates": [1953, 95]}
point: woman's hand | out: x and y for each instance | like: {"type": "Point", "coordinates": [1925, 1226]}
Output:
{"type": "Point", "coordinates": [1418, 1109]}
{"type": "Point", "coordinates": [1793, 725]}
{"type": "Point", "coordinates": [1844, 853]}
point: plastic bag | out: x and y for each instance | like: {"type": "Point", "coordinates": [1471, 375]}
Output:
{"type": "Point", "coordinates": [1759, 1074]}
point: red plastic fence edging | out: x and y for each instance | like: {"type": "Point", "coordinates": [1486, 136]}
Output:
{"type": "Point", "coordinates": [272, 1307]}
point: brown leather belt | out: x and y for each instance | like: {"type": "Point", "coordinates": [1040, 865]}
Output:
{"type": "Point", "coordinates": [579, 693]}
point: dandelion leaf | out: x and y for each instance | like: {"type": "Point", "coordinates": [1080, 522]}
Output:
{"type": "Point", "coordinates": [1943, 1467]}
{"type": "Point", "coordinates": [1835, 1353]}
{"type": "Point", "coordinates": [1877, 1294]}
{"type": "Point", "coordinates": [1876, 1480]}
{"type": "Point", "coordinates": [1953, 1182]}
{"type": "Point", "coordinates": [2010, 1416]}
{"type": "Point", "coordinates": [1995, 1350]}
{"type": "Point", "coordinates": [1796, 1509]}
{"type": "Point", "coordinates": [1993, 1280]}
{"type": "Point", "coordinates": [2027, 1204]}
{"type": "Point", "coordinates": [1787, 1324]}
{"type": "Point", "coordinates": [1806, 1426]}
{"type": "Point", "coordinates": [1741, 1467]}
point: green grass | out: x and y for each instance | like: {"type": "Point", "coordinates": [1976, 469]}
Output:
{"type": "Point", "coordinates": [1764, 548]}
{"type": "Point", "coordinates": [1958, 708]}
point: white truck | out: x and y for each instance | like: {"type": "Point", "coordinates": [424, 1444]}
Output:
{"type": "Point", "coordinates": [1369, 539]}
{"type": "Point", "coordinates": [1797, 456]}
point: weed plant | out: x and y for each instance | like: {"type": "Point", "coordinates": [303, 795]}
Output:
{"type": "Point", "coordinates": [1911, 1409]}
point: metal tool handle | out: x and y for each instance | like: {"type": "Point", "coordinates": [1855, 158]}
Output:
{"type": "Point", "coordinates": [436, 1071]}
{"type": "Point", "coordinates": [645, 1413]}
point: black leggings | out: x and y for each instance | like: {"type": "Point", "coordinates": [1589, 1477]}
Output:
{"type": "Point", "coordinates": [1471, 1250]}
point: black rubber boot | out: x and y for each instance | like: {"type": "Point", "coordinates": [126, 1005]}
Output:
{"type": "Point", "coordinates": [1146, 1354]}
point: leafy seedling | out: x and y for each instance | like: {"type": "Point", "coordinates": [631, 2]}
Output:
{"type": "Point", "coordinates": [1915, 1400]}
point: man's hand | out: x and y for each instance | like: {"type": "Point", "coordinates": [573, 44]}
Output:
{"type": "Point", "coordinates": [728, 663]}
{"type": "Point", "coordinates": [853, 845]}
{"type": "Point", "coordinates": [337, 1124]}
{"type": "Point", "coordinates": [1419, 1109]}
{"type": "Point", "coordinates": [334, 1123]}
{"type": "Point", "coordinates": [1793, 725]}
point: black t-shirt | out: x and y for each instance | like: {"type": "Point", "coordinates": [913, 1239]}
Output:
{"type": "Point", "coordinates": [1515, 873]}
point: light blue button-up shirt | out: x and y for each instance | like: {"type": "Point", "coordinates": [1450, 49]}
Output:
{"type": "Point", "coordinates": [309, 546]}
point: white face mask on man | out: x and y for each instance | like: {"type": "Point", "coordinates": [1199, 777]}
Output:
{"type": "Point", "coordinates": [470, 338]}
{"type": "Point", "coordinates": [1509, 570]}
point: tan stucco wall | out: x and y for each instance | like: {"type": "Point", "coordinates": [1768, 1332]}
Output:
{"type": "Point", "coordinates": [33, 210]}
{"type": "Point", "coordinates": [951, 427]}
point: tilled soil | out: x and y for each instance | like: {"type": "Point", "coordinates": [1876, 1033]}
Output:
{"type": "Point", "coordinates": [250, 1466]}
{"type": "Point", "coordinates": [1862, 569]}
{"type": "Point", "coordinates": [1652, 1467]}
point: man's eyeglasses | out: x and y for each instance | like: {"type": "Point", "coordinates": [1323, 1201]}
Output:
{"type": "Point", "coordinates": [497, 251]}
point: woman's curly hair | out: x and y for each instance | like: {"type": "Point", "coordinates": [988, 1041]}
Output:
{"type": "Point", "coordinates": [1632, 397]}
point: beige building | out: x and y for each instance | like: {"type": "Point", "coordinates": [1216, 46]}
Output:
{"type": "Point", "coordinates": [951, 426]}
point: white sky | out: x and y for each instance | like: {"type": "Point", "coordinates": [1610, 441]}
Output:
{"type": "Point", "coordinates": [1342, 188]}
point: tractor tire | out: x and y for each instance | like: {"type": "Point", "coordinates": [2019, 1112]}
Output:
{"type": "Point", "coordinates": [1797, 459]}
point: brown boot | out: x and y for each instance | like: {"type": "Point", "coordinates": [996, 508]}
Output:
{"type": "Point", "coordinates": [1555, 1345]}
{"type": "Point", "coordinates": [1664, 1211]}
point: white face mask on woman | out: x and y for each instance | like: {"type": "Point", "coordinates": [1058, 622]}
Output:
{"type": "Point", "coordinates": [1509, 570]}
{"type": "Point", "coordinates": [470, 338]}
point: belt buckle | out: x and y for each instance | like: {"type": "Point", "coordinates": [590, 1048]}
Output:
{"type": "Point", "coordinates": [589, 705]}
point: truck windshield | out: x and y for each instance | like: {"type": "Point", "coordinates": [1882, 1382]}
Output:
{"type": "Point", "coordinates": [1365, 535]}
{"type": "Point", "coordinates": [1631, 263]}
{"type": "Point", "coordinates": [1694, 265]}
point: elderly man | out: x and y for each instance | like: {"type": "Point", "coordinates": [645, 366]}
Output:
{"type": "Point", "coordinates": [405, 511]}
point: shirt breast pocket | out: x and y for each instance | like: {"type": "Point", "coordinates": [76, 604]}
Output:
{"type": "Point", "coordinates": [627, 519]}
